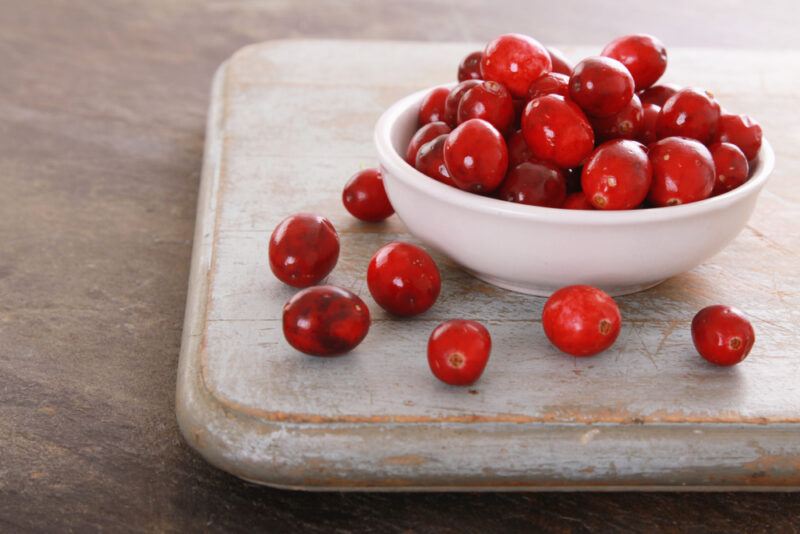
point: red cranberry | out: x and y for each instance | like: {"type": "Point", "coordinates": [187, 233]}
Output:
{"type": "Point", "coordinates": [689, 113]}
{"type": "Point", "coordinates": [581, 320]}
{"type": "Point", "coordinates": [534, 184]}
{"type": "Point", "coordinates": [551, 83]}
{"type": "Point", "coordinates": [470, 67]}
{"type": "Point", "coordinates": [617, 176]}
{"type": "Point", "coordinates": [454, 99]}
{"type": "Point", "coordinates": [489, 101]}
{"type": "Point", "coordinates": [741, 131]}
{"type": "Point", "coordinates": [432, 107]}
{"type": "Point", "coordinates": [647, 132]}
{"type": "Point", "coordinates": [403, 279]}
{"type": "Point", "coordinates": [458, 351]}
{"type": "Point", "coordinates": [560, 63]}
{"type": "Point", "coordinates": [518, 150]}
{"type": "Point", "coordinates": [303, 249]}
{"type": "Point", "coordinates": [658, 94]}
{"type": "Point", "coordinates": [722, 335]}
{"type": "Point", "coordinates": [427, 133]}
{"type": "Point", "coordinates": [683, 171]}
{"type": "Point", "coordinates": [325, 321]}
{"type": "Point", "coordinates": [625, 124]}
{"type": "Point", "coordinates": [556, 130]}
{"type": "Point", "coordinates": [476, 156]}
{"type": "Point", "coordinates": [645, 57]}
{"type": "Point", "coordinates": [577, 201]}
{"type": "Point", "coordinates": [601, 86]}
{"type": "Point", "coordinates": [515, 61]}
{"type": "Point", "coordinates": [365, 198]}
{"type": "Point", "coordinates": [732, 169]}
{"type": "Point", "coordinates": [430, 161]}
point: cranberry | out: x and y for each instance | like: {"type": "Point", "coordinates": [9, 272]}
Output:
{"type": "Point", "coordinates": [365, 198]}
{"type": "Point", "coordinates": [476, 156]}
{"type": "Point", "coordinates": [560, 63]}
{"type": "Point", "coordinates": [325, 321]}
{"type": "Point", "coordinates": [683, 171]}
{"type": "Point", "coordinates": [432, 107]}
{"type": "Point", "coordinates": [647, 131]}
{"type": "Point", "coordinates": [577, 201]}
{"type": "Point", "coordinates": [489, 101]}
{"type": "Point", "coordinates": [518, 150]}
{"type": "Point", "coordinates": [515, 61]}
{"type": "Point", "coordinates": [601, 86]}
{"type": "Point", "coordinates": [581, 320]}
{"type": "Point", "coordinates": [519, 107]}
{"type": "Point", "coordinates": [470, 67]}
{"type": "Point", "coordinates": [550, 83]}
{"type": "Point", "coordinates": [430, 160]}
{"type": "Point", "coordinates": [556, 130]}
{"type": "Point", "coordinates": [403, 279]}
{"type": "Point", "coordinates": [617, 176]}
{"type": "Point", "coordinates": [303, 249]}
{"type": "Point", "coordinates": [427, 133]}
{"type": "Point", "coordinates": [625, 124]}
{"type": "Point", "coordinates": [689, 113]}
{"type": "Point", "coordinates": [730, 164]}
{"type": "Point", "coordinates": [658, 94]}
{"type": "Point", "coordinates": [534, 184]}
{"type": "Point", "coordinates": [645, 57]}
{"type": "Point", "coordinates": [458, 351]}
{"type": "Point", "coordinates": [454, 99]}
{"type": "Point", "coordinates": [741, 131]}
{"type": "Point", "coordinates": [722, 335]}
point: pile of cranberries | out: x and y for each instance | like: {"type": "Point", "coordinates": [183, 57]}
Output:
{"type": "Point", "coordinates": [524, 125]}
{"type": "Point", "coordinates": [658, 146]}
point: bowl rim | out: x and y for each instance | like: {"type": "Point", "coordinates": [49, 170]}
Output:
{"type": "Point", "coordinates": [402, 171]}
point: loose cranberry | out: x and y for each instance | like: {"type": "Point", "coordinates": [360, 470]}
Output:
{"type": "Point", "coordinates": [625, 124]}
{"type": "Point", "coordinates": [730, 164]}
{"type": "Point", "coordinates": [722, 335]}
{"type": "Point", "coordinates": [454, 99]}
{"type": "Point", "coordinates": [458, 351]}
{"type": "Point", "coordinates": [534, 184]}
{"type": "Point", "coordinates": [556, 130]}
{"type": "Point", "coordinates": [689, 113]}
{"type": "Point", "coordinates": [515, 61]}
{"type": "Point", "coordinates": [551, 83]}
{"type": "Point", "coordinates": [658, 94]}
{"type": "Point", "coordinates": [470, 67]}
{"type": "Point", "coordinates": [430, 161]}
{"type": "Point", "coordinates": [581, 320]}
{"type": "Point", "coordinates": [489, 101]}
{"type": "Point", "coordinates": [645, 57]}
{"type": "Point", "coordinates": [518, 150]}
{"type": "Point", "coordinates": [601, 86]}
{"type": "Point", "coordinates": [683, 171]}
{"type": "Point", "coordinates": [560, 63]}
{"type": "Point", "coordinates": [303, 249]}
{"type": "Point", "coordinates": [742, 131]}
{"type": "Point", "coordinates": [365, 197]}
{"type": "Point", "coordinates": [647, 131]}
{"type": "Point", "coordinates": [577, 201]}
{"type": "Point", "coordinates": [432, 107]}
{"type": "Point", "coordinates": [427, 133]}
{"type": "Point", "coordinates": [476, 156]}
{"type": "Point", "coordinates": [325, 321]}
{"type": "Point", "coordinates": [617, 176]}
{"type": "Point", "coordinates": [403, 279]}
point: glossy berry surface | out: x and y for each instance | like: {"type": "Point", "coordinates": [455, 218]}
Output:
{"type": "Point", "coordinates": [303, 249]}
{"type": "Point", "coordinates": [458, 351]}
{"type": "Point", "coordinates": [454, 99]}
{"type": "Point", "coordinates": [601, 86]}
{"type": "Point", "coordinates": [577, 201]}
{"type": "Point", "coordinates": [559, 61]}
{"type": "Point", "coordinates": [658, 94]}
{"type": "Point", "coordinates": [534, 184]}
{"type": "Point", "coordinates": [617, 176]}
{"type": "Point", "coordinates": [489, 101]}
{"type": "Point", "coordinates": [431, 109]}
{"type": "Point", "coordinates": [683, 171]}
{"type": "Point", "coordinates": [722, 335]}
{"type": "Point", "coordinates": [325, 321]}
{"type": "Point", "coordinates": [551, 83]}
{"type": "Point", "coordinates": [430, 161]}
{"type": "Point", "coordinates": [625, 124]}
{"type": "Point", "coordinates": [365, 197]}
{"type": "Point", "coordinates": [690, 112]}
{"type": "Point", "coordinates": [581, 320]}
{"type": "Point", "coordinates": [742, 131]}
{"type": "Point", "coordinates": [515, 60]}
{"type": "Point", "coordinates": [518, 149]}
{"type": "Point", "coordinates": [427, 133]}
{"type": "Point", "coordinates": [647, 130]}
{"type": "Point", "coordinates": [470, 67]}
{"type": "Point", "coordinates": [730, 165]}
{"type": "Point", "coordinates": [476, 156]}
{"type": "Point", "coordinates": [403, 279]}
{"type": "Point", "coordinates": [643, 55]}
{"type": "Point", "coordinates": [556, 130]}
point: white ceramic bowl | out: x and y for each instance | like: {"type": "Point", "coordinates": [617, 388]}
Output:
{"type": "Point", "coordinates": [536, 250]}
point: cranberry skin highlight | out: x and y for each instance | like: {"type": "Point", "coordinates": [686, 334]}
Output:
{"type": "Point", "coordinates": [454, 99]}
{"type": "Point", "coordinates": [325, 321]}
{"type": "Point", "coordinates": [643, 55]}
{"type": "Point", "coordinates": [626, 124]}
{"type": "Point", "coordinates": [691, 113]}
{"type": "Point", "coordinates": [431, 109]}
{"type": "Point", "coordinates": [403, 279]}
{"type": "Point", "coordinates": [556, 130]}
{"type": "Point", "coordinates": [430, 161]}
{"type": "Point", "coordinates": [683, 172]}
{"type": "Point", "coordinates": [365, 197]}
{"type": "Point", "coordinates": [559, 61]}
{"type": "Point", "coordinates": [489, 101]}
{"type": "Point", "coordinates": [742, 131]}
{"type": "Point", "coordinates": [617, 176]}
{"type": "Point", "coordinates": [730, 164]}
{"type": "Point", "coordinates": [577, 201]}
{"type": "Point", "coordinates": [534, 184]}
{"type": "Point", "coordinates": [476, 156]}
{"type": "Point", "coordinates": [722, 335]}
{"type": "Point", "coordinates": [551, 83]}
{"type": "Point", "coordinates": [427, 133]}
{"type": "Point", "coordinates": [581, 320]}
{"type": "Point", "coordinates": [601, 86]}
{"type": "Point", "coordinates": [515, 60]}
{"type": "Point", "coordinates": [303, 249]}
{"type": "Point", "coordinates": [658, 94]}
{"type": "Point", "coordinates": [458, 351]}
{"type": "Point", "coordinates": [470, 67]}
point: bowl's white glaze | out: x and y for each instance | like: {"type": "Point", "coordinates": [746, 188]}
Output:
{"type": "Point", "coordinates": [536, 250]}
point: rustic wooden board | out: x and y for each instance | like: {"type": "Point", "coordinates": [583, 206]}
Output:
{"type": "Point", "coordinates": [289, 122]}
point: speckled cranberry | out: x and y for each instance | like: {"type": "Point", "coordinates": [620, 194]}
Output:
{"type": "Point", "coordinates": [556, 130]}
{"type": "Point", "coordinates": [515, 60]}
{"type": "Point", "coordinates": [577, 201]}
{"type": "Point", "coordinates": [518, 149]}
{"type": "Point", "coordinates": [365, 197]}
{"type": "Point", "coordinates": [325, 321]}
{"type": "Point", "coordinates": [427, 133]}
{"type": "Point", "coordinates": [454, 99]}
{"type": "Point", "coordinates": [303, 249]}
{"type": "Point", "coordinates": [601, 86]}
{"type": "Point", "coordinates": [658, 94]}
{"type": "Point", "coordinates": [626, 124]}
{"type": "Point", "coordinates": [534, 184]}
{"type": "Point", "coordinates": [647, 131]}
{"type": "Point", "coordinates": [730, 164]}
{"type": "Point", "coordinates": [403, 279]}
{"type": "Point", "coordinates": [431, 109]}
{"type": "Point", "coordinates": [559, 61]}
{"type": "Point", "coordinates": [470, 67]}
{"type": "Point", "coordinates": [617, 176]}
{"type": "Point", "coordinates": [643, 55]}
{"type": "Point", "coordinates": [489, 101]}
{"type": "Point", "coordinates": [690, 112]}
{"type": "Point", "coordinates": [430, 161]}
{"type": "Point", "coordinates": [550, 83]}
{"type": "Point", "coordinates": [458, 351]}
{"type": "Point", "coordinates": [742, 131]}
{"type": "Point", "coordinates": [476, 156]}
{"type": "Point", "coordinates": [581, 320]}
{"type": "Point", "coordinates": [722, 335]}
{"type": "Point", "coordinates": [683, 171]}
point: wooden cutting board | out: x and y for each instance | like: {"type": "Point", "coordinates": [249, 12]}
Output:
{"type": "Point", "coordinates": [289, 122]}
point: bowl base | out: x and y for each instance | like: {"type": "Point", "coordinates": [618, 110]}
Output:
{"type": "Point", "coordinates": [546, 291]}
